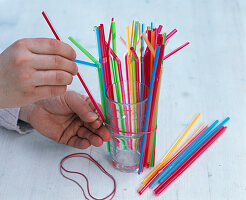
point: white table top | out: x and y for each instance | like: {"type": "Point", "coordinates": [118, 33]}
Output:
{"type": "Point", "coordinates": [207, 77]}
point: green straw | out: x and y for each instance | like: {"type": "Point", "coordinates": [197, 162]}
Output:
{"type": "Point", "coordinates": [99, 69]}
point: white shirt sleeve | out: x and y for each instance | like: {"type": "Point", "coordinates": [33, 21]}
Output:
{"type": "Point", "coordinates": [9, 120]}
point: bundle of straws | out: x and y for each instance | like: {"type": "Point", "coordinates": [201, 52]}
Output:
{"type": "Point", "coordinates": [175, 163]}
{"type": "Point", "coordinates": [145, 67]}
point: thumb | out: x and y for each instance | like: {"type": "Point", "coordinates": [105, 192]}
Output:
{"type": "Point", "coordinates": [79, 106]}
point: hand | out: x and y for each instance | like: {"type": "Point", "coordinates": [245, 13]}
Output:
{"type": "Point", "coordinates": [35, 69]}
{"type": "Point", "coordinates": [68, 119]}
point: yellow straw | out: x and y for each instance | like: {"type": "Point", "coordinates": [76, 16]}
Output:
{"type": "Point", "coordinates": [162, 163]}
{"type": "Point", "coordinates": [148, 44]}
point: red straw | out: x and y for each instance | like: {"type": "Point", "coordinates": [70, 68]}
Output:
{"type": "Point", "coordinates": [50, 25]}
{"type": "Point", "coordinates": [80, 78]}
{"type": "Point", "coordinates": [189, 161]}
{"type": "Point", "coordinates": [174, 51]}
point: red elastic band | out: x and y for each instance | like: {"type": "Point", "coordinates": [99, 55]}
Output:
{"type": "Point", "coordinates": [87, 156]}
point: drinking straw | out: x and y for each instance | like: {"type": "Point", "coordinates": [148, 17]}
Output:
{"type": "Point", "coordinates": [189, 151]}
{"type": "Point", "coordinates": [152, 25]}
{"type": "Point", "coordinates": [142, 57]}
{"type": "Point", "coordinates": [148, 109]}
{"type": "Point", "coordinates": [162, 163]}
{"type": "Point", "coordinates": [50, 25]}
{"type": "Point", "coordinates": [123, 41]}
{"type": "Point", "coordinates": [101, 81]}
{"type": "Point", "coordinates": [176, 50]}
{"type": "Point", "coordinates": [147, 184]}
{"type": "Point", "coordinates": [151, 56]}
{"type": "Point", "coordinates": [159, 29]}
{"type": "Point", "coordinates": [81, 79]}
{"type": "Point", "coordinates": [132, 32]}
{"type": "Point", "coordinates": [154, 102]}
{"type": "Point", "coordinates": [171, 33]}
{"type": "Point", "coordinates": [129, 62]}
{"type": "Point", "coordinates": [148, 44]}
{"type": "Point", "coordinates": [189, 161]}
{"type": "Point", "coordinates": [85, 63]}
{"type": "Point", "coordinates": [188, 140]}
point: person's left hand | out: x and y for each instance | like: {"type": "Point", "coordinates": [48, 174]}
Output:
{"type": "Point", "coordinates": [68, 119]}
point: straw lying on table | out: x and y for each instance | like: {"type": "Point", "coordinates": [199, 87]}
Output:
{"type": "Point", "coordinates": [166, 172]}
{"type": "Point", "coordinates": [145, 68]}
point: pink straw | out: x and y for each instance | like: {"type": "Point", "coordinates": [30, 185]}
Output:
{"type": "Point", "coordinates": [174, 51]}
{"type": "Point", "coordinates": [171, 33]}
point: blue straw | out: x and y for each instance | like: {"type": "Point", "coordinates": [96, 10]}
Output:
{"type": "Point", "coordinates": [148, 104]}
{"type": "Point", "coordinates": [85, 63]}
{"type": "Point", "coordinates": [152, 25]}
{"type": "Point", "coordinates": [197, 143]}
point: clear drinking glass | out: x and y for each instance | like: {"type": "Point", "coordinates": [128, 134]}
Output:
{"type": "Point", "coordinates": [125, 116]}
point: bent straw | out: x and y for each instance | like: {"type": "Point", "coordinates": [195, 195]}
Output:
{"type": "Point", "coordinates": [162, 163]}
{"type": "Point", "coordinates": [171, 33]}
{"type": "Point", "coordinates": [80, 78]}
{"type": "Point", "coordinates": [146, 185]}
{"type": "Point", "coordinates": [189, 161]}
{"type": "Point", "coordinates": [148, 44]}
{"type": "Point", "coordinates": [141, 164]}
{"type": "Point", "coordinates": [190, 150]}
{"type": "Point", "coordinates": [85, 63]}
{"type": "Point", "coordinates": [176, 50]}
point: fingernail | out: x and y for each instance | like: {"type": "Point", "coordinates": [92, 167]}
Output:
{"type": "Point", "coordinates": [92, 115]}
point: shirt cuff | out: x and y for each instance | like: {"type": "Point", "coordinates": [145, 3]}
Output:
{"type": "Point", "coordinates": [9, 120]}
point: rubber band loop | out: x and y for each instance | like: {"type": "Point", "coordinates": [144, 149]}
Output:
{"type": "Point", "coordinates": [87, 156]}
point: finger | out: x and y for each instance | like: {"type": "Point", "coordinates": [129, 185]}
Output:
{"type": "Point", "coordinates": [95, 140]}
{"type": "Point", "coordinates": [52, 77]}
{"type": "Point", "coordinates": [43, 92]}
{"type": "Point", "coordinates": [51, 47]}
{"type": "Point", "coordinates": [79, 106]}
{"type": "Point", "coordinates": [54, 62]}
{"type": "Point", "coordinates": [102, 132]}
{"type": "Point", "coordinates": [78, 142]}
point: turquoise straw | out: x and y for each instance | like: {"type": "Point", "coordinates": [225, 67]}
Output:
{"type": "Point", "coordinates": [152, 25]}
{"type": "Point", "coordinates": [85, 63]}
{"type": "Point", "coordinates": [148, 105]}
{"type": "Point", "coordinates": [188, 152]}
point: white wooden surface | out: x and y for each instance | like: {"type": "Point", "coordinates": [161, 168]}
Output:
{"type": "Point", "coordinates": [207, 77]}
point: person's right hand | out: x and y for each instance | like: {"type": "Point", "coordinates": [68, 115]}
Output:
{"type": "Point", "coordinates": [35, 69]}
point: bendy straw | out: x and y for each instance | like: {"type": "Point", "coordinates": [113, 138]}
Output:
{"type": "Point", "coordinates": [80, 78]}
{"type": "Point", "coordinates": [85, 63]}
